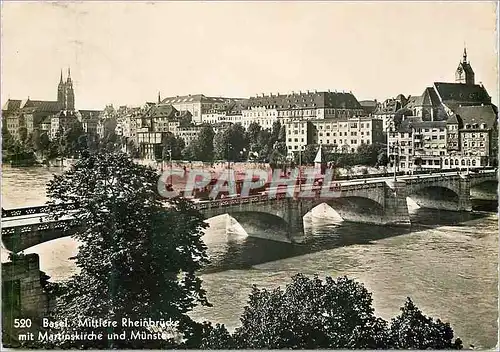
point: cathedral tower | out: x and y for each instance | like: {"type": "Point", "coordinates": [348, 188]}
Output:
{"type": "Point", "coordinates": [464, 72]}
{"type": "Point", "coordinates": [61, 91]}
{"type": "Point", "coordinates": [65, 93]}
{"type": "Point", "coordinates": [70, 93]}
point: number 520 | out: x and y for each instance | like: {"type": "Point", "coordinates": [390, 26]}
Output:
{"type": "Point", "coordinates": [22, 323]}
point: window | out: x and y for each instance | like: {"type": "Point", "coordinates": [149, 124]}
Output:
{"type": "Point", "coordinates": [441, 137]}
{"type": "Point", "coordinates": [296, 140]}
{"type": "Point", "coordinates": [473, 162]}
{"type": "Point", "coordinates": [463, 162]}
{"type": "Point", "coordinates": [434, 137]}
{"type": "Point", "coordinates": [446, 161]}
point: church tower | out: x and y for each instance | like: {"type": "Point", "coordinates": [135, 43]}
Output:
{"type": "Point", "coordinates": [70, 93]}
{"type": "Point", "coordinates": [61, 91]}
{"type": "Point", "coordinates": [464, 73]}
{"type": "Point", "coordinates": [65, 93]}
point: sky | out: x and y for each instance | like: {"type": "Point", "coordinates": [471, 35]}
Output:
{"type": "Point", "coordinates": [125, 53]}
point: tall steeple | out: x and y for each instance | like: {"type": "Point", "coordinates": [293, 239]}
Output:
{"type": "Point", "coordinates": [464, 73]}
{"type": "Point", "coordinates": [61, 91]}
{"type": "Point", "coordinates": [69, 75]}
{"type": "Point", "coordinates": [159, 98]}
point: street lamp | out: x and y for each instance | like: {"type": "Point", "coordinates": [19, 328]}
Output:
{"type": "Point", "coordinates": [468, 162]}
{"type": "Point", "coordinates": [300, 168]}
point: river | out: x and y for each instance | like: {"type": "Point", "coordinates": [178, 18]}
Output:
{"type": "Point", "coordinates": [446, 262]}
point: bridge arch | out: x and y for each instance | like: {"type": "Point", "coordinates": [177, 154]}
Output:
{"type": "Point", "coordinates": [351, 208]}
{"type": "Point", "coordinates": [437, 196]}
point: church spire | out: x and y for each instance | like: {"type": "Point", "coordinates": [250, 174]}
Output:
{"type": "Point", "coordinates": [69, 75]}
{"type": "Point", "coordinates": [61, 80]}
{"type": "Point", "coordinates": [159, 98]}
{"type": "Point", "coordinates": [465, 55]}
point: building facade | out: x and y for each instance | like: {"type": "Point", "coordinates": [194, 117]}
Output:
{"type": "Point", "coordinates": [451, 125]}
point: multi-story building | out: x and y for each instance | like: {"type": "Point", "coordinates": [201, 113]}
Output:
{"type": "Point", "coordinates": [201, 107]}
{"type": "Point", "coordinates": [346, 135]}
{"type": "Point", "coordinates": [265, 110]}
{"type": "Point", "coordinates": [387, 110]}
{"type": "Point", "coordinates": [89, 120]}
{"type": "Point", "coordinates": [61, 122]}
{"type": "Point", "coordinates": [451, 125]}
{"type": "Point", "coordinates": [299, 133]}
{"type": "Point", "coordinates": [189, 133]}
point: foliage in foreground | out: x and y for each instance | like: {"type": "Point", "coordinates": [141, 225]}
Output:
{"type": "Point", "coordinates": [139, 255]}
{"type": "Point", "coordinates": [330, 314]}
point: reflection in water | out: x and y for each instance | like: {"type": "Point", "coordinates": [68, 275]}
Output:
{"type": "Point", "coordinates": [446, 262]}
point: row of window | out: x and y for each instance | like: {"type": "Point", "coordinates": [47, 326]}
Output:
{"type": "Point", "coordinates": [473, 144]}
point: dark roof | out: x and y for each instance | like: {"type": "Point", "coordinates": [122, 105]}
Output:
{"type": "Point", "coordinates": [408, 123]}
{"type": "Point", "coordinates": [196, 98]}
{"type": "Point", "coordinates": [43, 105]}
{"type": "Point", "coordinates": [368, 103]}
{"type": "Point", "coordinates": [11, 104]}
{"type": "Point", "coordinates": [477, 114]}
{"type": "Point", "coordinates": [452, 120]}
{"type": "Point", "coordinates": [389, 106]}
{"type": "Point", "coordinates": [162, 110]}
{"type": "Point", "coordinates": [89, 114]}
{"type": "Point", "coordinates": [307, 100]}
{"type": "Point", "coordinates": [429, 97]}
{"type": "Point", "coordinates": [456, 93]}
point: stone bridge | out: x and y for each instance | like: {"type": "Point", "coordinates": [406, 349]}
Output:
{"type": "Point", "coordinates": [380, 201]}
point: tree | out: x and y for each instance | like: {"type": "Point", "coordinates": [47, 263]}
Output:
{"type": "Point", "coordinates": [312, 314]}
{"type": "Point", "coordinates": [202, 148]}
{"type": "Point", "coordinates": [253, 132]}
{"type": "Point", "coordinates": [414, 331]}
{"type": "Point", "coordinates": [309, 153]}
{"type": "Point", "coordinates": [329, 314]}
{"type": "Point", "coordinates": [275, 132]}
{"type": "Point", "coordinates": [229, 143]}
{"type": "Point", "coordinates": [174, 145]}
{"type": "Point", "coordinates": [139, 254]}
{"type": "Point", "coordinates": [218, 338]}
{"type": "Point", "coordinates": [367, 154]}
{"type": "Point", "coordinates": [23, 134]}
{"type": "Point", "coordinates": [382, 159]}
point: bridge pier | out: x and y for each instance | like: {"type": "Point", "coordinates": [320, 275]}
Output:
{"type": "Point", "coordinates": [464, 201]}
{"type": "Point", "coordinates": [294, 217]}
{"type": "Point", "coordinates": [395, 206]}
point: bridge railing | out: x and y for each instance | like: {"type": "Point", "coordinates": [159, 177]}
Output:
{"type": "Point", "coordinates": [40, 209]}
{"type": "Point", "coordinates": [264, 197]}
{"type": "Point", "coordinates": [54, 225]}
